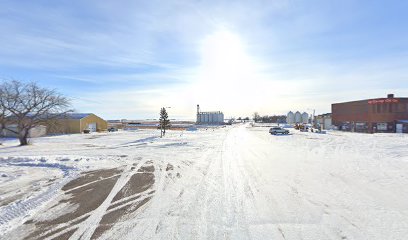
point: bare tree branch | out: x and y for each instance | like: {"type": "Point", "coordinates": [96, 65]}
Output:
{"type": "Point", "coordinates": [28, 105]}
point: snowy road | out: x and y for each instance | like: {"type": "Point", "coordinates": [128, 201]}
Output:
{"type": "Point", "coordinates": [232, 183]}
{"type": "Point", "coordinates": [301, 186]}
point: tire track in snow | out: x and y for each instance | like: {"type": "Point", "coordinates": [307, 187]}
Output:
{"type": "Point", "coordinates": [262, 215]}
{"type": "Point", "coordinates": [87, 228]}
{"type": "Point", "coordinates": [90, 183]}
{"type": "Point", "coordinates": [234, 189]}
{"type": "Point", "coordinates": [137, 200]}
{"type": "Point", "coordinates": [196, 215]}
{"type": "Point", "coordinates": [165, 218]}
{"type": "Point", "coordinates": [16, 211]}
{"type": "Point", "coordinates": [155, 213]}
{"type": "Point", "coordinates": [215, 210]}
{"type": "Point", "coordinates": [63, 228]}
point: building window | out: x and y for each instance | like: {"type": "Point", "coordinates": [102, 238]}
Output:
{"type": "Point", "coordinates": [382, 126]}
{"type": "Point", "coordinates": [345, 126]}
{"type": "Point", "coordinates": [361, 127]}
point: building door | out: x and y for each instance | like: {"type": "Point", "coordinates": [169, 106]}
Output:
{"type": "Point", "coordinates": [92, 127]}
{"type": "Point", "coordinates": [399, 128]}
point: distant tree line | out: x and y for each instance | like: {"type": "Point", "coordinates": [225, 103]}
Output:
{"type": "Point", "coordinates": [241, 119]}
{"type": "Point", "coordinates": [269, 119]}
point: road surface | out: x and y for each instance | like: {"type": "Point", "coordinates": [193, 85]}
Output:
{"type": "Point", "coordinates": [300, 186]}
{"type": "Point", "coordinates": [242, 184]}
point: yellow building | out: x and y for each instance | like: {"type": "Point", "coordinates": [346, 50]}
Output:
{"type": "Point", "coordinates": [77, 123]}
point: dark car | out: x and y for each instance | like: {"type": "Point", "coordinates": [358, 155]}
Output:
{"type": "Point", "coordinates": [112, 129]}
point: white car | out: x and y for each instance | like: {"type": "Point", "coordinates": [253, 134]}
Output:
{"type": "Point", "coordinates": [278, 130]}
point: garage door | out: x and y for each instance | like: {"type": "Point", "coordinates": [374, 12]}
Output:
{"type": "Point", "coordinates": [399, 128]}
{"type": "Point", "coordinates": [92, 127]}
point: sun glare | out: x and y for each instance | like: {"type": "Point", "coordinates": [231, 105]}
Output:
{"type": "Point", "coordinates": [226, 69]}
{"type": "Point", "coordinates": [223, 57]}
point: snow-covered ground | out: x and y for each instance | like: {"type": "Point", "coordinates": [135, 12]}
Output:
{"type": "Point", "coordinates": [237, 182]}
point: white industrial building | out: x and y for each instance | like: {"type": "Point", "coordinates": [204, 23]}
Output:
{"type": "Point", "coordinates": [37, 131]}
{"type": "Point", "coordinates": [215, 117]}
{"type": "Point", "coordinates": [323, 121]}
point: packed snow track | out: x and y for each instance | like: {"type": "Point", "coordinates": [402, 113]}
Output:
{"type": "Point", "coordinates": [235, 182]}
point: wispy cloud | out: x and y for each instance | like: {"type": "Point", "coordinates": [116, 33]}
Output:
{"type": "Point", "coordinates": [150, 53]}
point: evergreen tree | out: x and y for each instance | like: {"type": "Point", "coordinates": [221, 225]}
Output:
{"type": "Point", "coordinates": [164, 121]}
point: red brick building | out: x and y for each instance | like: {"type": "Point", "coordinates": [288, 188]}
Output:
{"type": "Point", "coordinates": [372, 115]}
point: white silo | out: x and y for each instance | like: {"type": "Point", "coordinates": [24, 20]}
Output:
{"type": "Point", "coordinates": [298, 117]}
{"type": "Point", "coordinates": [220, 118]}
{"type": "Point", "coordinates": [305, 117]}
{"type": "Point", "coordinates": [290, 118]}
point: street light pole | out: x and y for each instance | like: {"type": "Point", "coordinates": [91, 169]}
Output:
{"type": "Point", "coordinates": [313, 114]}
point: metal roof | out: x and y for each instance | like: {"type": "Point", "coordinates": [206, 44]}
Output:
{"type": "Point", "coordinates": [212, 112]}
{"type": "Point", "coordinates": [77, 115]}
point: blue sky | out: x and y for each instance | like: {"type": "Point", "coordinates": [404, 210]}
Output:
{"type": "Point", "coordinates": [126, 59]}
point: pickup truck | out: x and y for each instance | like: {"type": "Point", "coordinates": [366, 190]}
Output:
{"type": "Point", "coordinates": [278, 130]}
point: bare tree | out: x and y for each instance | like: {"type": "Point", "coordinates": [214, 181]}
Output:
{"type": "Point", "coordinates": [4, 116]}
{"type": "Point", "coordinates": [2, 119]}
{"type": "Point", "coordinates": [27, 105]}
{"type": "Point", "coordinates": [256, 117]}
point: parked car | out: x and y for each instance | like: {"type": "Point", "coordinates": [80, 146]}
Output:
{"type": "Point", "coordinates": [278, 130]}
{"type": "Point", "coordinates": [112, 129]}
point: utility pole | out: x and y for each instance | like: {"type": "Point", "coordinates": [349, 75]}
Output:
{"type": "Point", "coordinates": [313, 114]}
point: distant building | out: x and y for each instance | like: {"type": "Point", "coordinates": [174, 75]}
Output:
{"type": "Point", "coordinates": [64, 124]}
{"type": "Point", "coordinates": [372, 115]}
{"type": "Point", "coordinates": [323, 121]}
{"type": "Point", "coordinates": [77, 123]}
{"type": "Point", "coordinates": [215, 117]}
{"type": "Point", "coordinates": [37, 131]}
